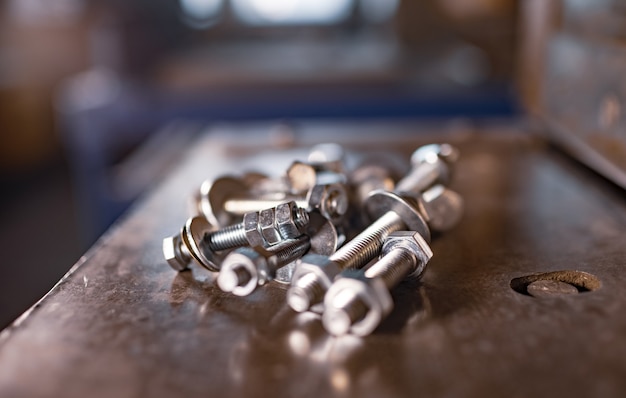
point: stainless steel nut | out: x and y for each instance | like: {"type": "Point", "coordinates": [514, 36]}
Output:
{"type": "Point", "coordinates": [372, 292]}
{"type": "Point", "coordinates": [311, 266]}
{"type": "Point", "coordinates": [443, 208]}
{"type": "Point", "coordinates": [413, 242]}
{"type": "Point", "coordinates": [173, 254]}
{"type": "Point", "coordinates": [251, 228]}
{"type": "Point", "coordinates": [287, 219]}
{"type": "Point", "coordinates": [267, 225]}
{"type": "Point", "coordinates": [242, 270]}
{"type": "Point", "coordinates": [330, 200]}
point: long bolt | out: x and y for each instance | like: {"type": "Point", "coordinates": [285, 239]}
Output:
{"type": "Point", "coordinates": [235, 235]}
{"type": "Point", "coordinates": [246, 268]}
{"type": "Point", "coordinates": [362, 300]}
{"type": "Point", "coordinates": [197, 240]}
{"type": "Point", "coordinates": [308, 290]}
{"type": "Point", "coordinates": [402, 213]}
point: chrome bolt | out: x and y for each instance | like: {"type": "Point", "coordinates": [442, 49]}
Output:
{"type": "Point", "coordinates": [358, 301]}
{"type": "Point", "coordinates": [199, 241]}
{"type": "Point", "coordinates": [432, 164]}
{"type": "Point", "coordinates": [226, 199]}
{"type": "Point", "coordinates": [392, 211]}
{"type": "Point", "coordinates": [246, 268]}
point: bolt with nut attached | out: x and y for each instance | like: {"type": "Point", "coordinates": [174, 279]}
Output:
{"type": "Point", "coordinates": [200, 241]}
{"type": "Point", "coordinates": [246, 268]}
{"type": "Point", "coordinates": [358, 301]}
{"type": "Point", "coordinates": [391, 212]}
{"type": "Point", "coordinates": [226, 199]}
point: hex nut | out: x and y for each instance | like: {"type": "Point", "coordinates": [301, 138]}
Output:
{"type": "Point", "coordinates": [286, 220]}
{"type": "Point", "coordinates": [371, 291]}
{"type": "Point", "coordinates": [251, 228]}
{"type": "Point", "coordinates": [330, 200]}
{"type": "Point", "coordinates": [267, 225]}
{"type": "Point", "coordinates": [413, 242]}
{"type": "Point", "coordinates": [321, 269]}
{"type": "Point", "coordinates": [241, 271]}
{"type": "Point", "coordinates": [173, 255]}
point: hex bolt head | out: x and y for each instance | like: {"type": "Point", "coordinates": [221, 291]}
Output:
{"type": "Point", "coordinates": [173, 253]}
{"type": "Point", "coordinates": [301, 177]}
{"type": "Point", "coordinates": [431, 164]}
{"type": "Point", "coordinates": [432, 152]}
{"type": "Point", "coordinates": [443, 208]}
{"type": "Point", "coordinates": [411, 242]}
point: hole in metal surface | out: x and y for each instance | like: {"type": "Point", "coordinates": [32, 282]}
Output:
{"type": "Point", "coordinates": [554, 284]}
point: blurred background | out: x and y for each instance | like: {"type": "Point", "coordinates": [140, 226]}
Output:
{"type": "Point", "coordinates": [98, 99]}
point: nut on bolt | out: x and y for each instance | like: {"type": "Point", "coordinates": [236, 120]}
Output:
{"type": "Point", "coordinates": [314, 270]}
{"type": "Point", "coordinates": [356, 304]}
{"type": "Point", "coordinates": [246, 268]}
{"type": "Point", "coordinates": [358, 300]}
{"type": "Point", "coordinates": [290, 219]}
{"type": "Point", "coordinates": [331, 200]}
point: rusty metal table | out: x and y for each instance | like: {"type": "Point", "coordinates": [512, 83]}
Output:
{"type": "Point", "coordinates": [123, 324]}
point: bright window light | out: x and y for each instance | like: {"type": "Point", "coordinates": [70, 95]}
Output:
{"type": "Point", "coordinates": [291, 12]}
{"type": "Point", "coordinates": [200, 13]}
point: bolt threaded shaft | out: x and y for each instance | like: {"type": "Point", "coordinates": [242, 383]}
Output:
{"type": "Point", "coordinates": [394, 266]}
{"type": "Point", "coordinates": [290, 250]}
{"type": "Point", "coordinates": [227, 238]}
{"type": "Point", "coordinates": [309, 290]}
{"type": "Point", "coordinates": [366, 245]}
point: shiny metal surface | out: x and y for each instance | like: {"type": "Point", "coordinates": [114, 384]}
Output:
{"type": "Point", "coordinates": [122, 323]}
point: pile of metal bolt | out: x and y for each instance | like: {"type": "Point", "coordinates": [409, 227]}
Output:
{"type": "Point", "coordinates": [340, 239]}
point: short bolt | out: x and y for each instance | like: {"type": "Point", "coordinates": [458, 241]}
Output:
{"type": "Point", "coordinates": [392, 211]}
{"type": "Point", "coordinates": [226, 199]}
{"type": "Point", "coordinates": [246, 268]}
{"type": "Point", "coordinates": [357, 302]}
{"type": "Point", "coordinates": [432, 164]}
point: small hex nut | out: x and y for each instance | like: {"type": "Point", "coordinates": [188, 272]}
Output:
{"type": "Point", "coordinates": [248, 259]}
{"type": "Point", "coordinates": [251, 228]}
{"type": "Point", "coordinates": [323, 267]}
{"type": "Point", "coordinates": [331, 200]}
{"type": "Point", "coordinates": [267, 225]}
{"type": "Point", "coordinates": [173, 255]}
{"type": "Point", "coordinates": [411, 241]}
{"type": "Point", "coordinates": [371, 291]}
{"type": "Point", "coordinates": [286, 220]}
